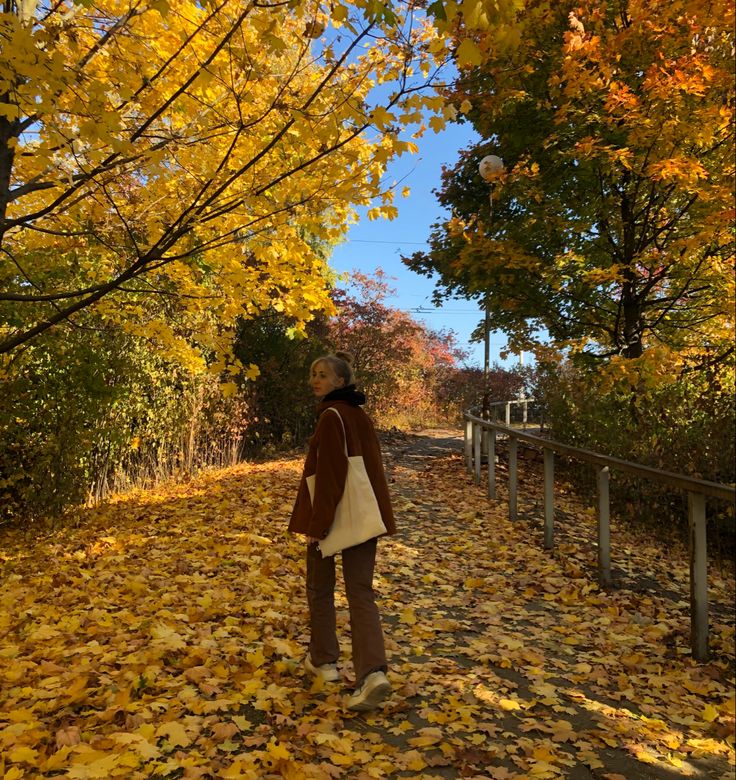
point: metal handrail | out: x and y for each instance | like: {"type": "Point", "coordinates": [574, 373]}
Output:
{"type": "Point", "coordinates": [697, 490]}
{"type": "Point", "coordinates": [506, 406]}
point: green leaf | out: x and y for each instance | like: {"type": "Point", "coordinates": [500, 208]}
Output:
{"type": "Point", "coordinates": [437, 9]}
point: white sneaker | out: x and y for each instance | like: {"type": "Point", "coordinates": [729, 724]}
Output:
{"type": "Point", "coordinates": [326, 672]}
{"type": "Point", "coordinates": [373, 690]}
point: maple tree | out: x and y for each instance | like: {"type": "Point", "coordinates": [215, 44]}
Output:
{"type": "Point", "coordinates": [611, 225]}
{"type": "Point", "coordinates": [399, 361]}
{"type": "Point", "coordinates": [183, 150]}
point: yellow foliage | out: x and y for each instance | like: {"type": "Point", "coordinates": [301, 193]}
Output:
{"type": "Point", "coordinates": [468, 53]}
{"type": "Point", "coordinates": [193, 153]}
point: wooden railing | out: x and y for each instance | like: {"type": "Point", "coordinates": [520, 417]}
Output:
{"type": "Point", "coordinates": [697, 490]}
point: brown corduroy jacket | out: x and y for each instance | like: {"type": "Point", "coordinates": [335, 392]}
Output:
{"type": "Point", "coordinates": [327, 462]}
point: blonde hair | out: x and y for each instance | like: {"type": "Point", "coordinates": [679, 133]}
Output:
{"type": "Point", "coordinates": [341, 363]}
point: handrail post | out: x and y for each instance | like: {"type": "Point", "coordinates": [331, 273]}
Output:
{"type": "Point", "coordinates": [698, 577]}
{"type": "Point", "coordinates": [468, 445]}
{"type": "Point", "coordinates": [477, 438]}
{"type": "Point", "coordinates": [549, 499]}
{"type": "Point", "coordinates": [604, 527]}
{"type": "Point", "coordinates": [525, 413]}
{"type": "Point", "coordinates": [508, 412]}
{"type": "Point", "coordinates": [491, 444]}
{"type": "Point", "coordinates": [513, 476]}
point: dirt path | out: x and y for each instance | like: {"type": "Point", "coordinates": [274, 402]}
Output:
{"type": "Point", "coordinates": [518, 651]}
{"type": "Point", "coordinates": [161, 636]}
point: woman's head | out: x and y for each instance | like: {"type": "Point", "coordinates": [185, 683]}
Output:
{"type": "Point", "coordinates": [331, 372]}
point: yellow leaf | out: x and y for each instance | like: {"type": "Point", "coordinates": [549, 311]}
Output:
{"type": "Point", "coordinates": [473, 582]}
{"type": "Point", "coordinates": [141, 746]}
{"type": "Point", "coordinates": [256, 659]}
{"type": "Point", "coordinates": [147, 731]}
{"type": "Point", "coordinates": [167, 637]}
{"type": "Point", "coordinates": [728, 707]}
{"type": "Point", "coordinates": [100, 769]}
{"type": "Point", "coordinates": [414, 761]}
{"type": "Point", "coordinates": [250, 688]}
{"type": "Point", "coordinates": [19, 716]}
{"type": "Point", "coordinates": [9, 111]}
{"type": "Point", "coordinates": [162, 6]}
{"type": "Point", "coordinates": [590, 759]}
{"type": "Point", "coordinates": [252, 372]}
{"type": "Point", "coordinates": [437, 123]}
{"type": "Point", "coordinates": [468, 54]}
{"type": "Point", "coordinates": [543, 769]}
{"type": "Point", "coordinates": [242, 723]}
{"type": "Point", "coordinates": [130, 759]}
{"type": "Point", "coordinates": [56, 760]}
{"type": "Point", "coordinates": [509, 704]}
{"type": "Point", "coordinates": [23, 754]}
{"type": "Point", "coordinates": [278, 751]}
{"type": "Point", "coordinates": [175, 733]}
{"type": "Point", "coordinates": [710, 713]}
{"type": "Point", "coordinates": [543, 754]}
{"type": "Point", "coordinates": [339, 759]}
{"type": "Point", "coordinates": [228, 389]}
{"type": "Point", "coordinates": [381, 117]}
{"type": "Point", "coordinates": [425, 740]}
{"type": "Point", "coordinates": [582, 668]}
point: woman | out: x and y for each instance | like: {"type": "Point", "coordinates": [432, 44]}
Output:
{"type": "Point", "coordinates": [333, 383]}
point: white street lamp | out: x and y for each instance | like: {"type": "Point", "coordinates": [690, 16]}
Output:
{"type": "Point", "coordinates": [490, 168]}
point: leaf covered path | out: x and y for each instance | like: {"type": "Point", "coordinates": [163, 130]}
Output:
{"type": "Point", "coordinates": [161, 637]}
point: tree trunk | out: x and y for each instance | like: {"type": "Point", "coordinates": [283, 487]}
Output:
{"type": "Point", "coordinates": [7, 155]}
{"type": "Point", "coordinates": [9, 128]}
{"type": "Point", "coordinates": [632, 324]}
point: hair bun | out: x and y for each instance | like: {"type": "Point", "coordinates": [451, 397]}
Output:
{"type": "Point", "coordinates": [346, 356]}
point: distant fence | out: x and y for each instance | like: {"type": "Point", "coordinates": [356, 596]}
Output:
{"type": "Point", "coordinates": [697, 490]}
{"type": "Point", "coordinates": [519, 412]}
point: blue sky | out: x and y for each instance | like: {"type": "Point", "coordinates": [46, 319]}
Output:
{"type": "Point", "coordinates": [381, 243]}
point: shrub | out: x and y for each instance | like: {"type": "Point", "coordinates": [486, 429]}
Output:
{"type": "Point", "coordinates": [685, 425]}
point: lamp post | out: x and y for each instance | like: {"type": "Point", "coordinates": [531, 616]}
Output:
{"type": "Point", "coordinates": [490, 168]}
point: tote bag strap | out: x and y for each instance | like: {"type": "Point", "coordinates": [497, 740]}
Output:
{"type": "Point", "coordinates": [342, 424]}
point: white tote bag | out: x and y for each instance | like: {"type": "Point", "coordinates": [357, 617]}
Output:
{"type": "Point", "coordinates": [357, 516]}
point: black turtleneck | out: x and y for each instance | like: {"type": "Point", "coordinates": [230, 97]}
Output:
{"type": "Point", "coordinates": [349, 394]}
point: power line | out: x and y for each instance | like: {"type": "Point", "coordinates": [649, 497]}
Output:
{"type": "Point", "coordinates": [446, 311]}
{"type": "Point", "coordinates": [370, 241]}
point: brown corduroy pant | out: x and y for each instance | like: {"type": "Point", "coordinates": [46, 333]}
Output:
{"type": "Point", "coordinates": [369, 652]}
